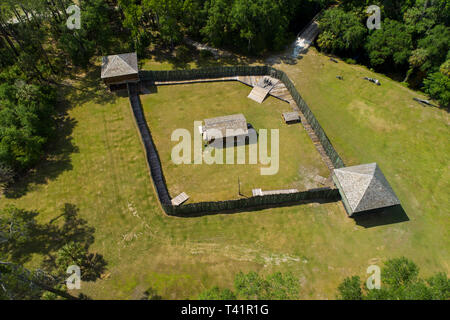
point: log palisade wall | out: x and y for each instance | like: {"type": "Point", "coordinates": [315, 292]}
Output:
{"type": "Point", "coordinates": [154, 163]}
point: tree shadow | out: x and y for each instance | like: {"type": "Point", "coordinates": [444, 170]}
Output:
{"type": "Point", "coordinates": [193, 55]}
{"type": "Point", "coordinates": [89, 88]}
{"type": "Point", "coordinates": [71, 229]}
{"type": "Point", "coordinates": [56, 160]}
{"type": "Point", "coordinates": [93, 267]}
{"type": "Point", "coordinates": [150, 294]}
{"type": "Point", "coordinates": [380, 217]}
{"type": "Point", "coordinates": [50, 237]}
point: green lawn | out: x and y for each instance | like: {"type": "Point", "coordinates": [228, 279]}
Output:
{"type": "Point", "coordinates": [176, 107]}
{"type": "Point", "coordinates": [102, 171]}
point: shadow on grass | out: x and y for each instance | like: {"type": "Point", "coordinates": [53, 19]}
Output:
{"type": "Point", "coordinates": [257, 208]}
{"type": "Point", "coordinates": [56, 160]}
{"type": "Point", "coordinates": [50, 237]}
{"type": "Point", "coordinates": [148, 87]}
{"type": "Point", "coordinates": [47, 239]}
{"type": "Point", "coordinates": [380, 217]}
{"type": "Point", "coordinates": [88, 88]}
{"type": "Point", "coordinates": [59, 148]}
{"type": "Point", "coordinates": [151, 294]}
{"type": "Point", "coordinates": [183, 61]}
{"type": "Point", "coordinates": [285, 58]}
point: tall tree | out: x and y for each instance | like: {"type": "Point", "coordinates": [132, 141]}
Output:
{"type": "Point", "coordinates": [399, 281]}
{"type": "Point", "coordinates": [390, 45]}
{"type": "Point", "coordinates": [341, 32]}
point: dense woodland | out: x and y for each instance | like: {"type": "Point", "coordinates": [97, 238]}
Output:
{"type": "Point", "coordinates": [38, 51]}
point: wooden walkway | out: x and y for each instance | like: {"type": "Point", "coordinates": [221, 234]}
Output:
{"type": "Point", "coordinates": [167, 83]}
{"type": "Point", "coordinates": [259, 192]}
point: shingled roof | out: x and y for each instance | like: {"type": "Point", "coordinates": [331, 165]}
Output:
{"type": "Point", "coordinates": [119, 65]}
{"type": "Point", "coordinates": [226, 126]}
{"type": "Point", "coordinates": [291, 116]}
{"type": "Point", "coordinates": [363, 188]}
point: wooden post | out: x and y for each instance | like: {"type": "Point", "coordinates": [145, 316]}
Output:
{"type": "Point", "coordinates": [239, 186]}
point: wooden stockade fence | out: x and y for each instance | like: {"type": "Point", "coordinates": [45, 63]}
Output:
{"type": "Point", "coordinates": [154, 162]}
{"type": "Point", "coordinates": [151, 153]}
{"type": "Point", "coordinates": [253, 202]}
{"type": "Point", "coordinates": [236, 71]}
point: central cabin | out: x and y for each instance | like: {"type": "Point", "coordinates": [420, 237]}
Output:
{"type": "Point", "coordinates": [233, 127]}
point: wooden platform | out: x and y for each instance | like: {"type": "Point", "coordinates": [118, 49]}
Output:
{"type": "Point", "coordinates": [258, 94]}
{"type": "Point", "coordinates": [262, 88]}
{"type": "Point", "coordinates": [179, 199]}
{"type": "Point", "coordinates": [291, 117]}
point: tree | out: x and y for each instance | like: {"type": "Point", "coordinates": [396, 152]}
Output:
{"type": "Point", "coordinates": [70, 254]}
{"type": "Point", "coordinates": [19, 283]}
{"type": "Point", "coordinates": [16, 229]}
{"type": "Point", "coordinates": [437, 86]}
{"type": "Point", "coordinates": [74, 253]}
{"type": "Point", "coordinates": [445, 68]}
{"type": "Point", "coordinates": [168, 15]}
{"type": "Point", "coordinates": [216, 30]}
{"type": "Point", "coordinates": [215, 293]}
{"type": "Point", "coordinates": [399, 281]}
{"type": "Point", "coordinates": [399, 272]}
{"type": "Point", "coordinates": [350, 289]}
{"type": "Point", "coordinates": [93, 37]}
{"type": "Point", "coordinates": [26, 123]}
{"type": "Point", "coordinates": [390, 45]}
{"type": "Point", "coordinates": [436, 44]}
{"type": "Point", "coordinates": [6, 175]}
{"type": "Point", "coordinates": [341, 32]}
{"type": "Point", "coordinates": [134, 21]}
{"type": "Point", "coordinates": [276, 286]}
{"type": "Point", "coordinates": [439, 286]}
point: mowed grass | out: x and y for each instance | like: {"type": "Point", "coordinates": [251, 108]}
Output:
{"type": "Point", "coordinates": [179, 106]}
{"type": "Point", "coordinates": [369, 123]}
{"type": "Point", "coordinates": [107, 179]}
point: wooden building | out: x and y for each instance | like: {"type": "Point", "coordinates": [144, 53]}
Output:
{"type": "Point", "coordinates": [364, 188]}
{"type": "Point", "coordinates": [120, 69]}
{"type": "Point", "coordinates": [291, 117]}
{"type": "Point", "coordinates": [221, 128]}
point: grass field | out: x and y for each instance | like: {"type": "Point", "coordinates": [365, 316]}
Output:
{"type": "Point", "coordinates": [100, 168]}
{"type": "Point", "coordinates": [174, 107]}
